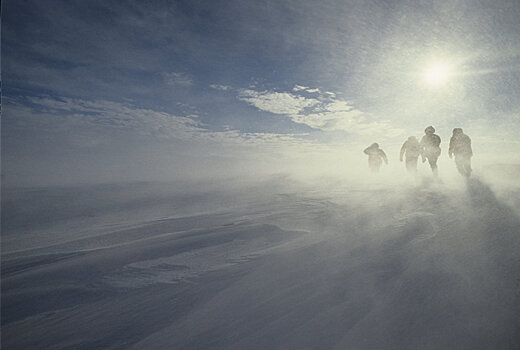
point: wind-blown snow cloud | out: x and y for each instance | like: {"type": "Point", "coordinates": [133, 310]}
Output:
{"type": "Point", "coordinates": [55, 140]}
{"type": "Point", "coordinates": [247, 73]}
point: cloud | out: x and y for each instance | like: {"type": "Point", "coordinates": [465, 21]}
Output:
{"type": "Point", "coordinates": [326, 112]}
{"type": "Point", "coordinates": [220, 87]}
{"type": "Point", "coordinates": [80, 114]}
{"type": "Point", "coordinates": [330, 93]}
{"type": "Point", "coordinates": [276, 102]}
{"type": "Point", "coordinates": [62, 114]}
{"type": "Point", "coordinates": [299, 87]}
{"type": "Point", "coordinates": [82, 117]}
{"type": "Point", "coordinates": [177, 79]}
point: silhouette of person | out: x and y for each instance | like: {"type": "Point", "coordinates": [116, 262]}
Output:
{"type": "Point", "coordinates": [430, 148]}
{"type": "Point", "coordinates": [376, 156]}
{"type": "Point", "coordinates": [460, 146]}
{"type": "Point", "coordinates": [411, 149]}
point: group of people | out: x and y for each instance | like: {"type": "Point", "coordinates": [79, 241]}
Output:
{"type": "Point", "coordinates": [429, 149]}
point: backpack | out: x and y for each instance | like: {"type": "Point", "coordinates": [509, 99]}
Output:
{"type": "Point", "coordinates": [434, 140]}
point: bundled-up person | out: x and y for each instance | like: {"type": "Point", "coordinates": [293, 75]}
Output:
{"type": "Point", "coordinates": [411, 149]}
{"type": "Point", "coordinates": [430, 148]}
{"type": "Point", "coordinates": [460, 146]}
{"type": "Point", "coordinates": [376, 156]}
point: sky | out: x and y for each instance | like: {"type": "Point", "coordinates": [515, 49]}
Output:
{"type": "Point", "coordinates": [97, 91]}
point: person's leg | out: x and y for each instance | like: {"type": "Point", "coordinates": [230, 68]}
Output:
{"type": "Point", "coordinates": [468, 166]}
{"type": "Point", "coordinates": [408, 164]}
{"type": "Point", "coordinates": [374, 165]}
{"type": "Point", "coordinates": [433, 164]}
{"type": "Point", "coordinates": [411, 164]}
{"type": "Point", "coordinates": [459, 162]}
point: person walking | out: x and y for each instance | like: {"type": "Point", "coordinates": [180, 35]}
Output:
{"type": "Point", "coordinates": [430, 148]}
{"type": "Point", "coordinates": [460, 146]}
{"type": "Point", "coordinates": [411, 149]}
{"type": "Point", "coordinates": [376, 156]}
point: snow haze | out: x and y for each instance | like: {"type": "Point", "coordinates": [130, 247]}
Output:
{"type": "Point", "coordinates": [191, 175]}
{"type": "Point", "coordinates": [115, 91]}
{"type": "Point", "coordinates": [271, 264]}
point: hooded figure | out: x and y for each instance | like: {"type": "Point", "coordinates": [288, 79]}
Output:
{"type": "Point", "coordinates": [430, 148]}
{"type": "Point", "coordinates": [411, 149]}
{"type": "Point", "coordinates": [460, 146]}
{"type": "Point", "coordinates": [376, 156]}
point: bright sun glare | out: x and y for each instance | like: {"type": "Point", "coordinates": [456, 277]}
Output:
{"type": "Point", "coordinates": [437, 74]}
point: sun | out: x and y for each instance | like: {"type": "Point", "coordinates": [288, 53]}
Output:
{"type": "Point", "coordinates": [437, 74]}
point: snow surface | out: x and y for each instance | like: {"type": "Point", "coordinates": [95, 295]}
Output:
{"type": "Point", "coordinates": [273, 264]}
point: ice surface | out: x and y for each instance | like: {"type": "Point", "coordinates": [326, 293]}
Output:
{"type": "Point", "coordinates": [266, 265]}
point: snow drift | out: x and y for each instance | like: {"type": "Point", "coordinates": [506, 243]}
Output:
{"type": "Point", "coordinates": [273, 264]}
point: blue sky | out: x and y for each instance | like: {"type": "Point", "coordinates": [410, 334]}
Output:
{"type": "Point", "coordinates": [99, 83]}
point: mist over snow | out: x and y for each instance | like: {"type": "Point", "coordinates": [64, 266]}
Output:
{"type": "Point", "coordinates": [263, 264]}
{"type": "Point", "coordinates": [191, 175]}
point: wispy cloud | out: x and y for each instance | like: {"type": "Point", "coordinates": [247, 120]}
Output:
{"type": "Point", "coordinates": [71, 113]}
{"type": "Point", "coordinates": [177, 78]}
{"type": "Point", "coordinates": [276, 102]}
{"type": "Point", "coordinates": [75, 116]}
{"type": "Point", "coordinates": [220, 87]}
{"type": "Point", "coordinates": [297, 88]}
{"type": "Point", "coordinates": [324, 112]}
{"type": "Point", "coordinates": [330, 93]}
